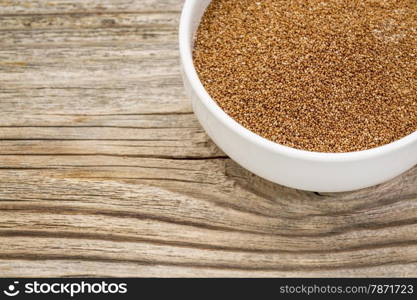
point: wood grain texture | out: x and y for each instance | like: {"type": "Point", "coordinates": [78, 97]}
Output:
{"type": "Point", "coordinates": [105, 171]}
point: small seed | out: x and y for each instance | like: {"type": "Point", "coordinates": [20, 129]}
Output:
{"type": "Point", "coordinates": [324, 76]}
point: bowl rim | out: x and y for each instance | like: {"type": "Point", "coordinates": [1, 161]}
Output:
{"type": "Point", "coordinates": [186, 57]}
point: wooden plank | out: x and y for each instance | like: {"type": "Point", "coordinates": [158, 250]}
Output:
{"type": "Point", "coordinates": [20, 7]}
{"type": "Point", "coordinates": [105, 171]}
{"type": "Point", "coordinates": [75, 268]}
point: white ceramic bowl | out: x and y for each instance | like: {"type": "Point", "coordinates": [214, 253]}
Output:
{"type": "Point", "coordinates": [313, 171]}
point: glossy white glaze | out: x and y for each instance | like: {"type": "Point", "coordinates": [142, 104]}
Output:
{"type": "Point", "coordinates": [321, 172]}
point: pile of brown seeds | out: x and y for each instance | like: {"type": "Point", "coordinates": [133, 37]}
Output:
{"type": "Point", "coordinates": [318, 75]}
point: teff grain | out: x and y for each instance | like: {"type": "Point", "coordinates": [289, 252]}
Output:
{"type": "Point", "coordinates": [324, 76]}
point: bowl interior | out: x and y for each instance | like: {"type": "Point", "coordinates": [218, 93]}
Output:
{"type": "Point", "coordinates": [190, 20]}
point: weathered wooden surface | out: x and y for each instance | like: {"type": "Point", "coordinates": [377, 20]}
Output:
{"type": "Point", "coordinates": [104, 170]}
